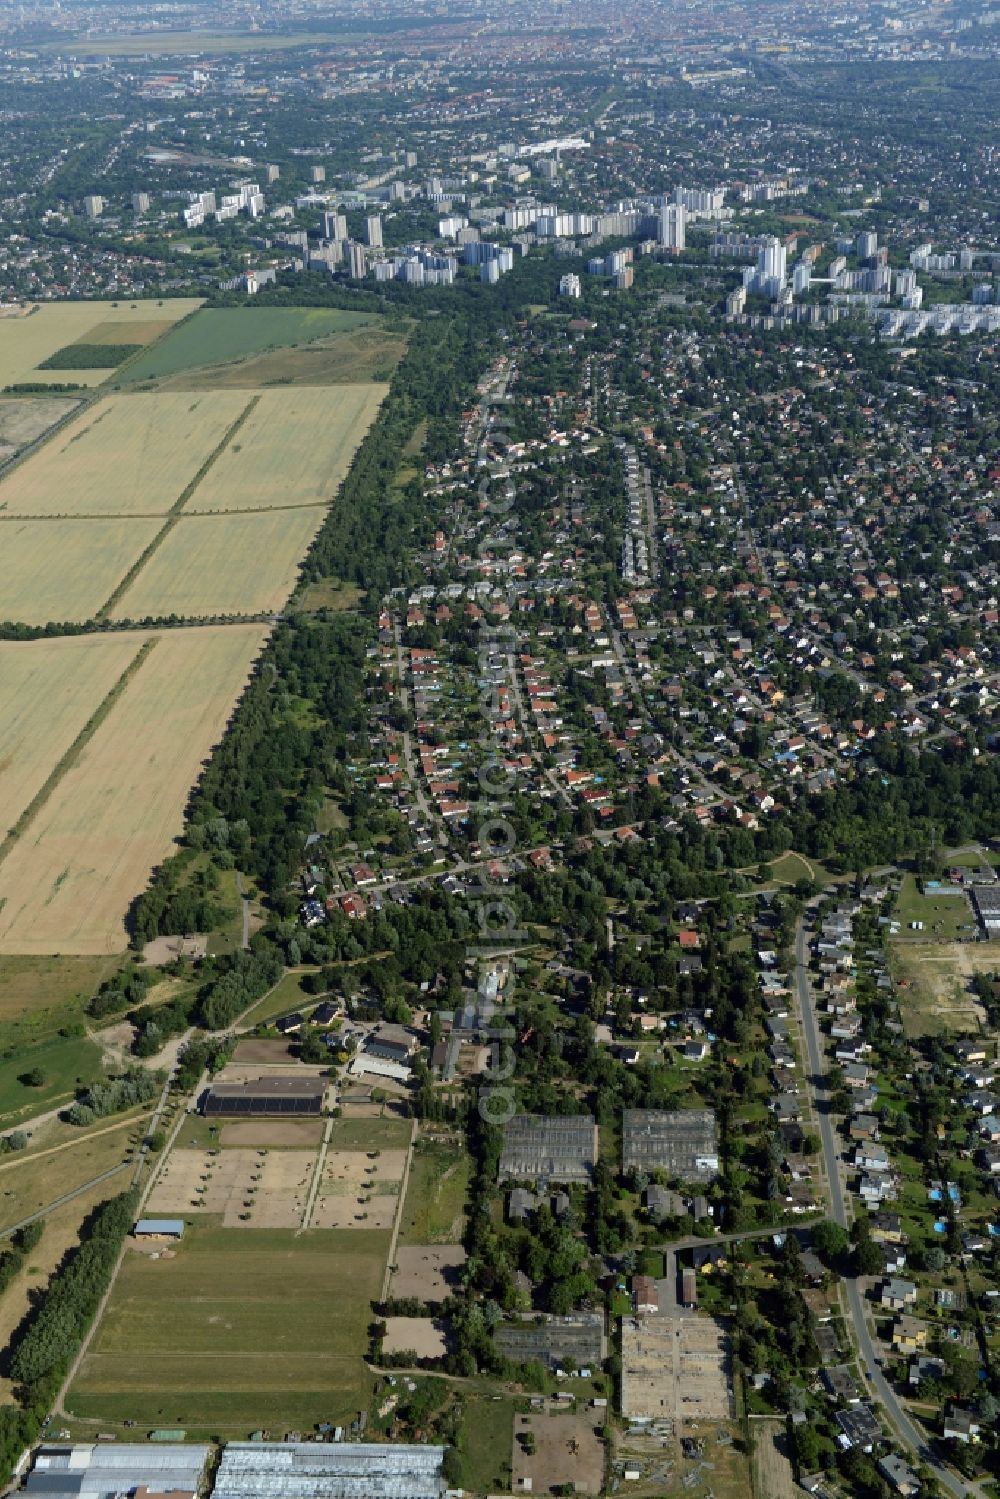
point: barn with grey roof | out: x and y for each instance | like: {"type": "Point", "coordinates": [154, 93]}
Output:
{"type": "Point", "coordinates": [682, 1142]}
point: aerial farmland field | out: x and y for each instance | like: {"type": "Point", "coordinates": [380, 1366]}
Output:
{"type": "Point", "coordinates": [294, 448]}
{"type": "Point", "coordinates": [239, 1329]}
{"type": "Point", "coordinates": [64, 570]}
{"type": "Point", "coordinates": [210, 565]}
{"type": "Point", "coordinates": [26, 340]}
{"type": "Point", "coordinates": [67, 880]}
{"type": "Point", "coordinates": [128, 455]}
{"type": "Point", "coordinates": [48, 691]}
{"type": "Point", "coordinates": [221, 334]}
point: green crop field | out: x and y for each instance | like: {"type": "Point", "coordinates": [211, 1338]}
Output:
{"type": "Point", "coordinates": [243, 1328]}
{"type": "Point", "coordinates": [219, 334]}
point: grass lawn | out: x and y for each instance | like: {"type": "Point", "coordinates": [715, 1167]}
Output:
{"type": "Point", "coordinates": [945, 917]}
{"type": "Point", "coordinates": [434, 1210]}
{"type": "Point", "coordinates": [791, 867]}
{"type": "Point", "coordinates": [370, 1134]}
{"type": "Point", "coordinates": [219, 334]}
{"type": "Point", "coordinates": [486, 1439]}
{"type": "Point", "coordinates": [328, 593]}
{"type": "Point", "coordinates": [29, 1181]}
{"type": "Point", "coordinates": [228, 936]}
{"type": "Point", "coordinates": [244, 1328]}
{"type": "Point", "coordinates": [66, 1063]}
{"type": "Point", "coordinates": [39, 994]}
{"type": "Point", "coordinates": [287, 995]}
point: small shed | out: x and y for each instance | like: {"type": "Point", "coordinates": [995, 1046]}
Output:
{"type": "Point", "coordinates": [159, 1228]}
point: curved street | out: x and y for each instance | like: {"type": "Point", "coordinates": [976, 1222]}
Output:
{"type": "Point", "coordinates": [895, 1414]}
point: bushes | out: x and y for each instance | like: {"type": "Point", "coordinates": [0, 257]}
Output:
{"type": "Point", "coordinates": [42, 1356]}
{"type": "Point", "coordinates": [112, 1096]}
{"type": "Point", "coordinates": [121, 992]}
{"type": "Point", "coordinates": [248, 979]}
{"type": "Point", "coordinates": [204, 1054]}
{"type": "Point", "coordinates": [27, 1238]}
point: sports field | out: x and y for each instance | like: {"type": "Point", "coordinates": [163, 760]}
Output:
{"type": "Point", "coordinates": [221, 334]}
{"type": "Point", "coordinates": [64, 570]}
{"type": "Point", "coordinates": [27, 340]}
{"type": "Point", "coordinates": [237, 1331]}
{"type": "Point", "coordinates": [48, 691]}
{"type": "Point", "coordinates": [209, 565]}
{"type": "Point", "coordinates": [295, 447]}
{"type": "Point", "coordinates": [128, 455]}
{"type": "Point", "coordinates": [67, 880]}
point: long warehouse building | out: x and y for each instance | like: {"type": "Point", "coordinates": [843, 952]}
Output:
{"type": "Point", "coordinates": [338, 1470]}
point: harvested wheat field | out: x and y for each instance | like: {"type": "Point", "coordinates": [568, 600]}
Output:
{"type": "Point", "coordinates": [63, 571]}
{"type": "Point", "coordinates": [37, 334]}
{"type": "Point", "coordinates": [127, 455]}
{"type": "Point", "coordinates": [210, 565]}
{"type": "Point", "coordinates": [294, 448]}
{"type": "Point", "coordinates": [67, 881]}
{"type": "Point", "coordinates": [49, 689]}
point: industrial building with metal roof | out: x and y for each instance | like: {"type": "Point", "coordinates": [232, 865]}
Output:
{"type": "Point", "coordinates": [104, 1470]}
{"type": "Point", "coordinates": [560, 1149]}
{"type": "Point", "coordinates": [267, 1095]}
{"type": "Point", "coordinates": [320, 1470]}
{"type": "Point", "coordinates": [682, 1142]}
{"type": "Point", "coordinates": [553, 1341]}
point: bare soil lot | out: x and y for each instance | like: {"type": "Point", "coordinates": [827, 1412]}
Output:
{"type": "Point", "coordinates": [424, 1336]}
{"type": "Point", "coordinates": [164, 950]}
{"type": "Point", "coordinates": [23, 419]}
{"type": "Point", "coordinates": [933, 980]}
{"type": "Point", "coordinates": [248, 1188]}
{"type": "Point", "coordinates": [262, 1054]}
{"type": "Point", "coordinates": [676, 1367]}
{"type": "Point", "coordinates": [273, 1134]}
{"type": "Point", "coordinates": [567, 1450]}
{"type": "Point", "coordinates": [359, 1189]}
{"type": "Point", "coordinates": [427, 1271]}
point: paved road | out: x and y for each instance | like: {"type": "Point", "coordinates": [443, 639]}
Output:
{"type": "Point", "coordinates": [897, 1417]}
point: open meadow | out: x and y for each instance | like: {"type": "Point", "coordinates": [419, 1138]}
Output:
{"type": "Point", "coordinates": [64, 570]}
{"type": "Point", "coordinates": [49, 689]}
{"type": "Point", "coordinates": [346, 357]}
{"type": "Point", "coordinates": [68, 879]}
{"type": "Point", "coordinates": [294, 448]}
{"type": "Point", "coordinates": [210, 565]}
{"type": "Point", "coordinates": [126, 455]}
{"type": "Point", "coordinates": [434, 1208]}
{"type": "Point", "coordinates": [219, 335]}
{"type": "Point", "coordinates": [28, 339]}
{"type": "Point", "coordinates": [236, 1331]}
